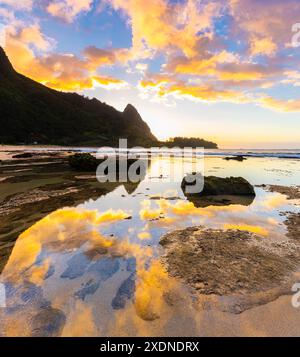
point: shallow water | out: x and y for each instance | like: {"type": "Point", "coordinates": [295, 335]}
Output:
{"type": "Point", "coordinates": [89, 271]}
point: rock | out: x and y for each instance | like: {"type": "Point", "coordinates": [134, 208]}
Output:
{"type": "Point", "coordinates": [83, 162]}
{"type": "Point", "coordinates": [25, 155]}
{"type": "Point", "coordinates": [88, 162]}
{"type": "Point", "coordinates": [237, 158]}
{"type": "Point", "coordinates": [214, 185]}
{"type": "Point", "coordinates": [228, 263]}
{"type": "Point", "coordinates": [292, 192]}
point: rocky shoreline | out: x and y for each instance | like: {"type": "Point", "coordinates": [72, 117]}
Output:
{"type": "Point", "coordinates": [234, 269]}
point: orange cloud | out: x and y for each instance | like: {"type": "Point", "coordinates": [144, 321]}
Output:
{"type": "Point", "coordinates": [59, 71]}
{"type": "Point", "coordinates": [292, 105]}
{"type": "Point", "coordinates": [262, 46]}
{"type": "Point", "coordinates": [202, 92]}
{"type": "Point", "coordinates": [33, 35]}
{"type": "Point", "coordinates": [165, 26]}
{"type": "Point", "coordinates": [198, 64]}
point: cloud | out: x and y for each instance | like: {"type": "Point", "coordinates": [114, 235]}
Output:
{"type": "Point", "coordinates": [33, 35]}
{"type": "Point", "coordinates": [19, 5]}
{"type": "Point", "coordinates": [165, 26]}
{"type": "Point", "coordinates": [262, 46]}
{"type": "Point", "coordinates": [199, 64]}
{"type": "Point", "coordinates": [268, 21]}
{"type": "Point", "coordinates": [109, 82]}
{"type": "Point", "coordinates": [212, 51]}
{"type": "Point", "coordinates": [66, 72]}
{"type": "Point", "coordinates": [162, 86]}
{"type": "Point", "coordinates": [68, 10]}
{"type": "Point", "coordinates": [292, 77]}
{"type": "Point", "coordinates": [285, 106]}
{"type": "Point", "coordinates": [99, 56]}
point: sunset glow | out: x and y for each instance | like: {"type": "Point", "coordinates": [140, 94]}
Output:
{"type": "Point", "coordinates": [203, 68]}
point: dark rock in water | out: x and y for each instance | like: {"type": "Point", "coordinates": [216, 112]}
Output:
{"type": "Point", "coordinates": [88, 162]}
{"type": "Point", "coordinates": [25, 155]}
{"type": "Point", "coordinates": [237, 158]}
{"type": "Point", "coordinates": [84, 162]}
{"type": "Point", "coordinates": [214, 185]}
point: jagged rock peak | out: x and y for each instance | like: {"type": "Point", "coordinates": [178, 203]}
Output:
{"type": "Point", "coordinates": [130, 109]}
{"type": "Point", "coordinates": [5, 65]}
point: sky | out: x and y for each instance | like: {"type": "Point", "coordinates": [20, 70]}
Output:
{"type": "Point", "coordinates": [223, 70]}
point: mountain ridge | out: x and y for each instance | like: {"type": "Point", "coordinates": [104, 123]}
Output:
{"type": "Point", "coordinates": [32, 112]}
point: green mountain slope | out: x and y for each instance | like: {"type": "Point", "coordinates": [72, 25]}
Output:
{"type": "Point", "coordinates": [31, 112]}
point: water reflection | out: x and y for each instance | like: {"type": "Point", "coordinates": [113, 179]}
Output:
{"type": "Point", "coordinates": [95, 269]}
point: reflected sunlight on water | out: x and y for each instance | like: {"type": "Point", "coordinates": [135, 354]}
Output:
{"type": "Point", "coordinates": [95, 269]}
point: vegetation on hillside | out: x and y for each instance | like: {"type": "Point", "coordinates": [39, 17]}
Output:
{"type": "Point", "coordinates": [189, 142]}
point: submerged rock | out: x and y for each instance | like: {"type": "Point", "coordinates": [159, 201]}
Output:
{"type": "Point", "coordinates": [236, 158]}
{"type": "Point", "coordinates": [292, 192]}
{"type": "Point", "coordinates": [83, 162]}
{"type": "Point", "coordinates": [214, 185]}
{"type": "Point", "coordinates": [88, 162]}
{"type": "Point", "coordinates": [25, 155]}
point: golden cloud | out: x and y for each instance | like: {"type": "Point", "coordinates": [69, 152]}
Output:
{"type": "Point", "coordinates": [59, 71]}
{"type": "Point", "coordinates": [285, 106]}
{"type": "Point", "coordinates": [166, 26]}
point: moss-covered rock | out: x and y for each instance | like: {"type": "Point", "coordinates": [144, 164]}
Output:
{"type": "Point", "coordinates": [88, 162]}
{"type": "Point", "coordinates": [83, 162]}
{"type": "Point", "coordinates": [214, 185]}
